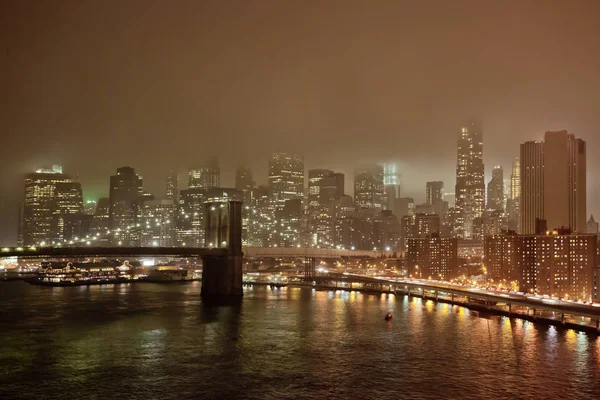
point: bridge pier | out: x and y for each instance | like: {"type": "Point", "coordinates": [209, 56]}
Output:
{"type": "Point", "coordinates": [222, 275]}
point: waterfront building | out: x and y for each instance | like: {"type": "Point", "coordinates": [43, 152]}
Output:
{"type": "Point", "coordinates": [432, 257]}
{"type": "Point", "coordinates": [556, 263]}
{"type": "Point", "coordinates": [49, 196]}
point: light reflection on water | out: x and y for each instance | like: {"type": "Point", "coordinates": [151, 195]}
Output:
{"type": "Point", "coordinates": [148, 341]}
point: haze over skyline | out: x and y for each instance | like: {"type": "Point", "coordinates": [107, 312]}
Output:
{"type": "Point", "coordinates": [95, 86]}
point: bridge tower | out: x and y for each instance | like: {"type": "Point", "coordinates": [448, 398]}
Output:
{"type": "Point", "coordinates": [222, 275]}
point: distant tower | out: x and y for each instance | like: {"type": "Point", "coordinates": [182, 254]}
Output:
{"type": "Point", "coordinates": [244, 182]}
{"type": "Point", "coordinates": [206, 177]}
{"type": "Point", "coordinates": [592, 226]}
{"type": "Point", "coordinates": [286, 178]}
{"type": "Point", "coordinates": [390, 184]}
{"type": "Point", "coordinates": [125, 195]}
{"type": "Point", "coordinates": [470, 185]}
{"type": "Point", "coordinates": [434, 192]}
{"type": "Point", "coordinates": [172, 188]}
{"type": "Point", "coordinates": [369, 187]}
{"type": "Point", "coordinates": [495, 190]}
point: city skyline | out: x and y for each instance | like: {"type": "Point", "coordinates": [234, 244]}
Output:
{"type": "Point", "coordinates": [333, 98]}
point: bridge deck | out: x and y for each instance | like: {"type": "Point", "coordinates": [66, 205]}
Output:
{"type": "Point", "coordinates": [37, 252]}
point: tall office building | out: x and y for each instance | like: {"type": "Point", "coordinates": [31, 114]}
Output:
{"type": "Point", "coordinates": [125, 194]}
{"type": "Point", "coordinates": [48, 195]}
{"type": "Point", "coordinates": [158, 223]}
{"type": "Point", "coordinates": [434, 192]}
{"type": "Point", "coordinates": [244, 182]}
{"type": "Point", "coordinates": [69, 209]}
{"type": "Point", "coordinates": [495, 190]}
{"type": "Point", "coordinates": [470, 185]}
{"type": "Point", "coordinates": [513, 201]}
{"type": "Point", "coordinates": [323, 189]}
{"type": "Point", "coordinates": [553, 184]}
{"type": "Point", "coordinates": [189, 220]}
{"type": "Point", "coordinates": [206, 177]}
{"type": "Point", "coordinates": [369, 187]}
{"type": "Point", "coordinates": [172, 187]}
{"type": "Point", "coordinates": [340, 184]}
{"type": "Point", "coordinates": [391, 185]}
{"type": "Point", "coordinates": [100, 224]}
{"type": "Point", "coordinates": [286, 178]}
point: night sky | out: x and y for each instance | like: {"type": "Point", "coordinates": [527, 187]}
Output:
{"type": "Point", "coordinates": [160, 85]}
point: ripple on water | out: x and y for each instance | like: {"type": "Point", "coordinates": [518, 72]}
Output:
{"type": "Point", "coordinates": [151, 341]}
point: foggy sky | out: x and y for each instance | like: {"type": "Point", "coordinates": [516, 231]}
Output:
{"type": "Point", "coordinates": [159, 85]}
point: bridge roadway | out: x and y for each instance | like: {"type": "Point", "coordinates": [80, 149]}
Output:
{"type": "Point", "coordinates": [64, 252]}
{"type": "Point", "coordinates": [256, 252]}
{"type": "Point", "coordinates": [492, 296]}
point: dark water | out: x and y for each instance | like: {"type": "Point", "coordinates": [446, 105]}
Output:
{"type": "Point", "coordinates": [147, 341]}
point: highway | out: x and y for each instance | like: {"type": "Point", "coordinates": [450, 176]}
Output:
{"type": "Point", "coordinates": [510, 298]}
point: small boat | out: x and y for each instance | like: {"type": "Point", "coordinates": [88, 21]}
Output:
{"type": "Point", "coordinates": [388, 316]}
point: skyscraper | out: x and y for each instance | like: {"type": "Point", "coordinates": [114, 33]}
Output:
{"type": "Point", "coordinates": [553, 183]}
{"type": "Point", "coordinates": [514, 199]}
{"type": "Point", "coordinates": [369, 187]}
{"type": "Point", "coordinates": [172, 187]}
{"type": "Point", "coordinates": [434, 192]}
{"type": "Point", "coordinates": [286, 178]}
{"type": "Point", "coordinates": [470, 185]}
{"type": "Point", "coordinates": [495, 190]}
{"type": "Point", "coordinates": [125, 195]}
{"type": "Point", "coordinates": [323, 189]}
{"type": "Point", "coordinates": [206, 177]}
{"type": "Point", "coordinates": [44, 204]}
{"type": "Point", "coordinates": [390, 184]}
{"type": "Point", "coordinates": [565, 181]}
{"type": "Point", "coordinates": [244, 181]}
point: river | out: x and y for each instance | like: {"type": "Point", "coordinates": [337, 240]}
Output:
{"type": "Point", "coordinates": [146, 341]}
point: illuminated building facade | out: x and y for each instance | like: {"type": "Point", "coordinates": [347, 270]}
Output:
{"type": "Point", "coordinates": [190, 217]}
{"type": "Point", "coordinates": [49, 195]}
{"type": "Point", "coordinates": [158, 223]}
{"type": "Point", "coordinates": [369, 187]}
{"type": "Point", "coordinates": [209, 176]}
{"type": "Point", "coordinates": [286, 178]}
{"type": "Point", "coordinates": [553, 183]}
{"type": "Point", "coordinates": [126, 191]}
{"type": "Point", "coordinates": [514, 198]}
{"type": "Point", "coordinates": [432, 257]}
{"type": "Point", "coordinates": [470, 185]}
{"type": "Point", "coordinates": [324, 187]}
{"type": "Point", "coordinates": [556, 264]}
{"type": "Point", "coordinates": [391, 185]}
